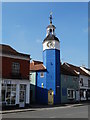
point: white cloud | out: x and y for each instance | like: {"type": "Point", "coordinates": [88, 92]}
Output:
{"type": "Point", "coordinates": [18, 26]}
{"type": "Point", "coordinates": [85, 30]}
{"type": "Point", "coordinates": [39, 41]}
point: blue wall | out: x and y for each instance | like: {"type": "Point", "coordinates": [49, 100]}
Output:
{"type": "Point", "coordinates": [51, 79]}
{"type": "Point", "coordinates": [49, 62]}
{"type": "Point", "coordinates": [41, 93]}
{"type": "Point", "coordinates": [58, 78]}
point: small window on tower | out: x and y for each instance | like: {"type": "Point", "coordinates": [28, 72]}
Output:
{"type": "Point", "coordinates": [42, 74]}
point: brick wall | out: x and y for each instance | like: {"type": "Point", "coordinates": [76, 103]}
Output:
{"type": "Point", "coordinates": [7, 68]}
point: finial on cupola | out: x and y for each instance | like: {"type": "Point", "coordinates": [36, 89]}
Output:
{"type": "Point", "coordinates": [50, 17]}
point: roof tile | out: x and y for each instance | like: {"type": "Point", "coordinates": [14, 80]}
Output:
{"type": "Point", "coordinates": [37, 66]}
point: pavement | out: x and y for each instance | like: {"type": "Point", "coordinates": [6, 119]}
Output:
{"type": "Point", "coordinates": [66, 111]}
{"type": "Point", "coordinates": [41, 107]}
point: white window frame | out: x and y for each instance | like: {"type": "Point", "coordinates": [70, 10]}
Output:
{"type": "Point", "coordinates": [23, 90]}
{"type": "Point", "coordinates": [69, 89]}
{"type": "Point", "coordinates": [4, 87]}
{"type": "Point", "coordinates": [41, 75]}
{"type": "Point", "coordinates": [12, 91]}
{"type": "Point", "coordinates": [84, 93]}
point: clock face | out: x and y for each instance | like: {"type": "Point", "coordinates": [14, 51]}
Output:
{"type": "Point", "coordinates": [50, 44]}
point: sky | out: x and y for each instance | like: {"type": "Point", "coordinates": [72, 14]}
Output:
{"type": "Point", "coordinates": [24, 28]}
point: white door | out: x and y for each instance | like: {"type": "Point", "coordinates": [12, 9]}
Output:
{"type": "Point", "coordinates": [22, 96]}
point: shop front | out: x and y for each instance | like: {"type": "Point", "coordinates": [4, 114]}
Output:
{"type": "Point", "coordinates": [15, 93]}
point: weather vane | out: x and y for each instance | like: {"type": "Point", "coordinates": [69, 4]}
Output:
{"type": "Point", "coordinates": [50, 17]}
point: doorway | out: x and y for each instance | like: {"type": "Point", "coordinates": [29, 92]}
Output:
{"type": "Point", "coordinates": [22, 95]}
{"type": "Point", "coordinates": [50, 97]}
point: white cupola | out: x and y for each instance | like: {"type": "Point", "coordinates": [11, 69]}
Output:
{"type": "Point", "coordinates": [51, 41]}
{"type": "Point", "coordinates": [50, 28]}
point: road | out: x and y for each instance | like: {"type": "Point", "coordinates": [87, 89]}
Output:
{"type": "Point", "coordinates": [55, 112]}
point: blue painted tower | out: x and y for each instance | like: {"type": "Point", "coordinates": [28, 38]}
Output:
{"type": "Point", "coordinates": [51, 60]}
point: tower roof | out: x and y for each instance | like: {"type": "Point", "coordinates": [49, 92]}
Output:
{"type": "Point", "coordinates": [51, 26]}
{"type": "Point", "coordinates": [51, 37]}
{"type": "Point", "coordinates": [51, 31]}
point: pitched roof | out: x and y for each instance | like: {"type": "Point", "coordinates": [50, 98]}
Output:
{"type": "Point", "coordinates": [75, 69]}
{"type": "Point", "coordinates": [37, 66]}
{"type": "Point", "coordinates": [36, 62]}
{"type": "Point", "coordinates": [6, 49]}
{"type": "Point", "coordinates": [87, 69]}
{"type": "Point", "coordinates": [51, 37]}
{"type": "Point", "coordinates": [66, 70]}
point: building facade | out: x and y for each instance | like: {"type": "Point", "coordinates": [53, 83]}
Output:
{"type": "Point", "coordinates": [37, 70]}
{"type": "Point", "coordinates": [84, 84]}
{"type": "Point", "coordinates": [69, 85]}
{"type": "Point", "coordinates": [84, 81]}
{"type": "Point", "coordinates": [33, 87]}
{"type": "Point", "coordinates": [14, 77]}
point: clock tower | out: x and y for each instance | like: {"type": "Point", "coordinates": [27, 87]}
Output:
{"type": "Point", "coordinates": [51, 60]}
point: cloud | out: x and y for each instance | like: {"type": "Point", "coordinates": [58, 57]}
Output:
{"type": "Point", "coordinates": [39, 41]}
{"type": "Point", "coordinates": [85, 30]}
{"type": "Point", "coordinates": [18, 26]}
